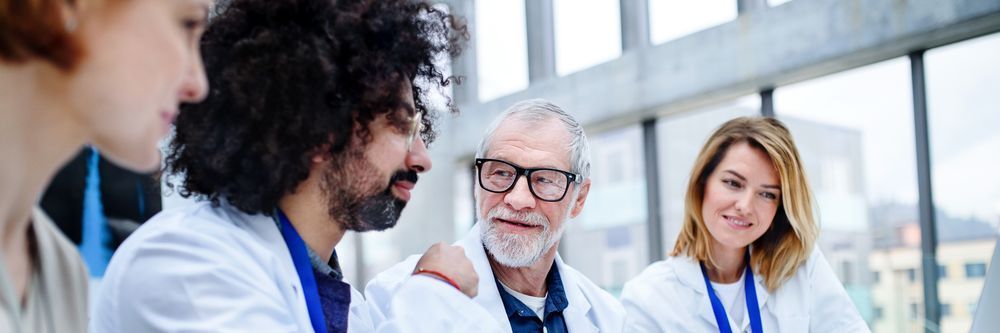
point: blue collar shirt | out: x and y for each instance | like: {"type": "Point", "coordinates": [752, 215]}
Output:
{"type": "Point", "coordinates": [524, 320]}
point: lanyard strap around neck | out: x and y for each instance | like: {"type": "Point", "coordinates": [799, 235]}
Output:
{"type": "Point", "coordinates": [300, 257]}
{"type": "Point", "coordinates": [721, 319]}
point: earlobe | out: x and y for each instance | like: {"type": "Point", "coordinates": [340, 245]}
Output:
{"type": "Point", "coordinates": [69, 16]}
{"type": "Point", "coordinates": [321, 154]}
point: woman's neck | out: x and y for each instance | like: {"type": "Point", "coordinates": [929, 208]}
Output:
{"type": "Point", "coordinates": [36, 139]}
{"type": "Point", "coordinates": [729, 264]}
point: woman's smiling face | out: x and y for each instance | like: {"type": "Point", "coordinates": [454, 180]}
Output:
{"type": "Point", "coordinates": [741, 198]}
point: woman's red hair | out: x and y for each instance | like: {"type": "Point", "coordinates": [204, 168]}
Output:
{"type": "Point", "coordinates": [35, 29]}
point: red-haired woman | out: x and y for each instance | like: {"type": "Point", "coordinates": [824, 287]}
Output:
{"type": "Point", "coordinates": [109, 73]}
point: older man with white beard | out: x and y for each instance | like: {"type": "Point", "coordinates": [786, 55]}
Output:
{"type": "Point", "coordinates": [533, 166]}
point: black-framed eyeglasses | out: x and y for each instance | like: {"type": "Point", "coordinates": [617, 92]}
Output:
{"type": "Point", "coordinates": [415, 128]}
{"type": "Point", "coordinates": [546, 184]}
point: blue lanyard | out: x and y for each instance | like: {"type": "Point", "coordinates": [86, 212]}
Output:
{"type": "Point", "coordinates": [751, 300]}
{"type": "Point", "coordinates": [300, 257]}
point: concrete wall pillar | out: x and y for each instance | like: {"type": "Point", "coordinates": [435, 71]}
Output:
{"type": "Point", "coordinates": [635, 24]}
{"type": "Point", "coordinates": [540, 22]}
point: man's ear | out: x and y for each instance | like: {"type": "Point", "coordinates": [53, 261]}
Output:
{"type": "Point", "coordinates": [580, 199]}
{"type": "Point", "coordinates": [321, 154]}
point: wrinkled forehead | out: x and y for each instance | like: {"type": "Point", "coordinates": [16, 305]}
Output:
{"type": "Point", "coordinates": [531, 143]}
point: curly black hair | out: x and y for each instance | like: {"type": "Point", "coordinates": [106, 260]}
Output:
{"type": "Point", "coordinates": [289, 77]}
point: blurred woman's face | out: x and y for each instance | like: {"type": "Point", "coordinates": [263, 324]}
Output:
{"type": "Point", "coordinates": [141, 62]}
{"type": "Point", "coordinates": [741, 198]}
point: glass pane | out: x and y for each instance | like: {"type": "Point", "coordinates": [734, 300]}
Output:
{"type": "Point", "coordinates": [587, 32]}
{"type": "Point", "coordinates": [501, 47]}
{"type": "Point", "coordinates": [462, 198]}
{"type": "Point", "coordinates": [854, 131]}
{"type": "Point", "coordinates": [672, 19]}
{"type": "Point", "coordinates": [379, 251]}
{"type": "Point", "coordinates": [963, 110]}
{"type": "Point", "coordinates": [679, 139]}
{"type": "Point", "coordinates": [607, 241]}
{"type": "Point", "coordinates": [349, 257]}
{"type": "Point", "coordinates": [776, 3]}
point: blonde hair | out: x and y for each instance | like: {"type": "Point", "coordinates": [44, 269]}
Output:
{"type": "Point", "coordinates": [786, 245]}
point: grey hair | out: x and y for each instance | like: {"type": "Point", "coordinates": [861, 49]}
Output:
{"type": "Point", "coordinates": [538, 110]}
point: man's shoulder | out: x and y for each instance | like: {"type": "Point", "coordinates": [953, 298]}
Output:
{"type": "Point", "coordinates": [217, 256]}
{"type": "Point", "coordinates": [584, 283]}
{"type": "Point", "coordinates": [391, 278]}
{"type": "Point", "coordinates": [202, 230]}
{"type": "Point", "coordinates": [594, 293]}
{"type": "Point", "coordinates": [217, 221]}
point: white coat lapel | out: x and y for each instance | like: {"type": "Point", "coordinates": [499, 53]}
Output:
{"type": "Point", "coordinates": [762, 293]}
{"type": "Point", "coordinates": [488, 296]}
{"type": "Point", "coordinates": [689, 274]}
{"type": "Point", "coordinates": [287, 278]}
{"type": "Point", "coordinates": [762, 296]}
{"type": "Point", "coordinates": [576, 313]}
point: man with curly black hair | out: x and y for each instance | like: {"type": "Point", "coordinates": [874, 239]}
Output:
{"type": "Point", "coordinates": [315, 125]}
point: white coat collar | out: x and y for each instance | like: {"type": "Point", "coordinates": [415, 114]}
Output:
{"type": "Point", "coordinates": [575, 314]}
{"type": "Point", "coordinates": [264, 227]}
{"type": "Point", "coordinates": [267, 230]}
{"type": "Point", "coordinates": [689, 274]}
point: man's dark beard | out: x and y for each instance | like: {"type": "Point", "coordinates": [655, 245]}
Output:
{"type": "Point", "coordinates": [381, 211]}
{"type": "Point", "coordinates": [355, 197]}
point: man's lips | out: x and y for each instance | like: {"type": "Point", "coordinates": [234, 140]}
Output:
{"type": "Point", "coordinates": [517, 224]}
{"type": "Point", "coordinates": [403, 189]}
{"type": "Point", "coordinates": [168, 116]}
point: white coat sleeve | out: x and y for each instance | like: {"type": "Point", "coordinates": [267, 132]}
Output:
{"type": "Point", "coordinates": [831, 309]}
{"type": "Point", "coordinates": [193, 282]}
{"type": "Point", "coordinates": [424, 304]}
{"type": "Point", "coordinates": [380, 290]}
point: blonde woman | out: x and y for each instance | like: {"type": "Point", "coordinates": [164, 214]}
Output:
{"type": "Point", "coordinates": [109, 73]}
{"type": "Point", "coordinates": [745, 259]}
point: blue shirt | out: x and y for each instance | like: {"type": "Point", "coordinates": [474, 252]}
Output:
{"type": "Point", "coordinates": [524, 320]}
{"type": "Point", "coordinates": [334, 294]}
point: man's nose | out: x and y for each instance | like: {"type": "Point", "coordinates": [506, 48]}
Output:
{"type": "Point", "coordinates": [520, 197]}
{"type": "Point", "coordinates": [418, 158]}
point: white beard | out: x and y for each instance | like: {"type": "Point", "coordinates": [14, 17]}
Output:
{"type": "Point", "coordinates": [513, 250]}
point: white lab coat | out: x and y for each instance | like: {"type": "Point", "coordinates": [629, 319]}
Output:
{"type": "Point", "coordinates": [216, 269]}
{"type": "Point", "coordinates": [590, 309]}
{"type": "Point", "coordinates": [670, 296]}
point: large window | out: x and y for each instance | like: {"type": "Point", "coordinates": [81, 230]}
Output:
{"type": "Point", "coordinates": [501, 47]}
{"type": "Point", "coordinates": [348, 256]}
{"type": "Point", "coordinates": [775, 3]}
{"type": "Point", "coordinates": [672, 19]}
{"type": "Point", "coordinates": [587, 33]}
{"type": "Point", "coordinates": [463, 198]}
{"type": "Point", "coordinates": [854, 132]}
{"type": "Point", "coordinates": [608, 242]}
{"type": "Point", "coordinates": [962, 81]}
{"type": "Point", "coordinates": [679, 139]}
{"type": "Point", "coordinates": [380, 251]}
